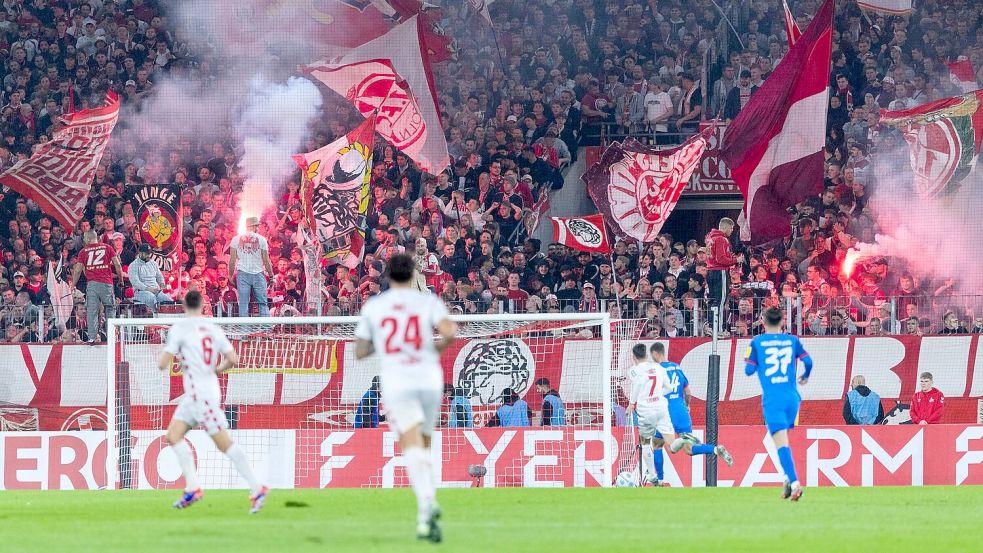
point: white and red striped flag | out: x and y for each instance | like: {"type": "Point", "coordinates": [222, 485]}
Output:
{"type": "Point", "coordinates": [889, 7]}
{"type": "Point", "coordinates": [791, 27]}
{"type": "Point", "coordinates": [391, 75]}
{"type": "Point", "coordinates": [774, 147]}
{"type": "Point", "coordinates": [585, 234]}
{"type": "Point", "coordinates": [58, 175]}
{"type": "Point", "coordinates": [961, 74]}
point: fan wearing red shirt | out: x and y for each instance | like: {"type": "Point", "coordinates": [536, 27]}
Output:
{"type": "Point", "coordinates": [97, 261]}
{"type": "Point", "coordinates": [927, 403]}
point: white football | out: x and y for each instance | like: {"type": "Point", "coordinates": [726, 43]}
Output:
{"type": "Point", "coordinates": [626, 479]}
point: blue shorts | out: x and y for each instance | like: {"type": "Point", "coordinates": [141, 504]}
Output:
{"type": "Point", "coordinates": [681, 423]}
{"type": "Point", "coordinates": [780, 414]}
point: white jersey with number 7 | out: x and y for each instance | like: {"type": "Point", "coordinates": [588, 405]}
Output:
{"type": "Point", "coordinates": [649, 384]}
{"type": "Point", "coordinates": [199, 344]}
{"type": "Point", "coordinates": [400, 324]}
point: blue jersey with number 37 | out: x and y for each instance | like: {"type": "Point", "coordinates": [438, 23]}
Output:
{"type": "Point", "coordinates": [774, 357]}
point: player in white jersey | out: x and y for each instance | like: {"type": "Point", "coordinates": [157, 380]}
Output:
{"type": "Point", "coordinates": [398, 324]}
{"type": "Point", "coordinates": [649, 385]}
{"type": "Point", "coordinates": [204, 352]}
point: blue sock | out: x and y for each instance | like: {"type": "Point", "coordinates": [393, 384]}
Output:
{"type": "Point", "coordinates": [703, 449]}
{"type": "Point", "coordinates": [788, 465]}
{"type": "Point", "coordinates": [660, 463]}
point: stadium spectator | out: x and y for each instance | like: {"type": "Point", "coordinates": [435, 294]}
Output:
{"type": "Point", "coordinates": [367, 413]}
{"type": "Point", "coordinates": [459, 411]}
{"type": "Point", "coordinates": [553, 413]}
{"type": "Point", "coordinates": [928, 402]}
{"type": "Point", "coordinates": [147, 280]}
{"type": "Point", "coordinates": [719, 261]}
{"type": "Point", "coordinates": [249, 258]}
{"type": "Point", "coordinates": [513, 412]}
{"type": "Point", "coordinates": [862, 405]}
{"type": "Point", "coordinates": [97, 262]}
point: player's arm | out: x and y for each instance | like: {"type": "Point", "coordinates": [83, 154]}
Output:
{"type": "Point", "coordinates": [750, 365]}
{"type": "Point", "coordinates": [447, 331]}
{"type": "Point", "coordinates": [363, 348]}
{"type": "Point", "coordinates": [229, 361]}
{"type": "Point", "coordinates": [806, 360]}
{"type": "Point", "coordinates": [687, 396]}
{"type": "Point", "coordinates": [363, 338]}
{"type": "Point", "coordinates": [166, 360]}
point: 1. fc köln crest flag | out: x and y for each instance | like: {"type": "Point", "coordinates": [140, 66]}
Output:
{"type": "Point", "coordinates": [157, 208]}
{"type": "Point", "coordinates": [581, 233]}
{"type": "Point", "coordinates": [335, 193]}
{"type": "Point", "coordinates": [943, 141]}
{"type": "Point", "coordinates": [58, 175]}
{"type": "Point", "coordinates": [636, 187]}
{"type": "Point", "coordinates": [391, 75]}
{"type": "Point", "coordinates": [774, 147]}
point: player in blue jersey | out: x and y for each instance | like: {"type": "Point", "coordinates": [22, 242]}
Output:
{"type": "Point", "coordinates": [774, 356]}
{"type": "Point", "coordinates": [679, 398]}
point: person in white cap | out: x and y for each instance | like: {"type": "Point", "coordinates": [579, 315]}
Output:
{"type": "Point", "coordinates": [250, 255]}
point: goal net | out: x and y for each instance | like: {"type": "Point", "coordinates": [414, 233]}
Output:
{"type": "Point", "coordinates": [306, 414]}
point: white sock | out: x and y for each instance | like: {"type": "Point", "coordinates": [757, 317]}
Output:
{"type": "Point", "coordinates": [648, 460]}
{"type": "Point", "coordinates": [677, 444]}
{"type": "Point", "coordinates": [184, 459]}
{"type": "Point", "coordinates": [421, 479]}
{"type": "Point", "coordinates": [245, 469]}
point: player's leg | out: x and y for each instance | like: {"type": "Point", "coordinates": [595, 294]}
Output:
{"type": "Point", "coordinates": [658, 457]}
{"type": "Point", "coordinates": [217, 427]}
{"type": "Point", "coordinates": [779, 419]}
{"type": "Point", "coordinates": [182, 422]}
{"type": "Point", "coordinates": [405, 412]}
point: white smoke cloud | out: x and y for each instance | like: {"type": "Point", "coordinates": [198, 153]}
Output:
{"type": "Point", "coordinates": [273, 125]}
{"type": "Point", "coordinates": [936, 239]}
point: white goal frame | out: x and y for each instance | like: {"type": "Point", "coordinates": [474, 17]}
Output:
{"type": "Point", "coordinates": [603, 320]}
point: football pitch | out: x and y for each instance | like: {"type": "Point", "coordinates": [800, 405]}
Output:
{"type": "Point", "coordinates": [502, 520]}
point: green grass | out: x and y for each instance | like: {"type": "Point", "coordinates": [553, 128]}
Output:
{"type": "Point", "coordinates": [571, 520]}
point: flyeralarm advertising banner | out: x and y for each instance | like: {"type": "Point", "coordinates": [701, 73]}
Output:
{"type": "Point", "coordinates": [530, 457]}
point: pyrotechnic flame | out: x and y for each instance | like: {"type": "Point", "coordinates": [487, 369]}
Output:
{"type": "Point", "coordinates": [242, 222]}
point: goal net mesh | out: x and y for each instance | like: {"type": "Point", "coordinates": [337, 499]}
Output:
{"type": "Point", "coordinates": [300, 406]}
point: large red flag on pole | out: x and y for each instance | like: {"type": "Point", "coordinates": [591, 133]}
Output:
{"type": "Point", "coordinates": [774, 147]}
{"type": "Point", "coordinates": [791, 27]}
{"type": "Point", "coordinates": [585, 234]}
{"type": "Point", "coordinates": [391, 75]}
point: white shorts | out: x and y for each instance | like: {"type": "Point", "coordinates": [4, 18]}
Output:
{"type": "Point", "coordinates": [651, 421]}
{"type": "Point", "coordinates": [409, 407]}
{"type": "Point", "coordinates": [207, 413]}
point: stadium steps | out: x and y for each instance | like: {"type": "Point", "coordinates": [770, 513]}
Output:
{"type": "Point", "coordinates": [569, 201]}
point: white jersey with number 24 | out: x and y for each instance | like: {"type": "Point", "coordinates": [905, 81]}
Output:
{"type": "Point", "coordinates": [400, 323]}
{"type": "Point", "coordinates": [199, 344]}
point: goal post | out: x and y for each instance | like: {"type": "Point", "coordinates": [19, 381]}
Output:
{"type": "Point", "coordinates": [293, 403]}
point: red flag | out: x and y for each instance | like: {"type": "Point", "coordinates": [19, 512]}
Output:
{"type": "Point", "coordinates": [391, 75]}
{"type": "Point", "coordinates": [791, 28]}
{"type": "Point", "coordinates": [58, 175]}
{"type": "Point", "coordinates": [962, 74]}
{"type": "Point", "coordinates": [335, 193]}
{"type": "Point", "coordinates": [586, 234]}
{"type": "Point", "coordinates": [774, 147]}
{"type": "Point", "coordinates": [636, 187]}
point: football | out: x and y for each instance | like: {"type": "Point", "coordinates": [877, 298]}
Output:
{"type": "Point", "coordinates": [626, 479]}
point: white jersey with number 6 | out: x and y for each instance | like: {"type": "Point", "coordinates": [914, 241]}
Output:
{"type": "Point", "coordinates": [400, 323]}
{"type": "Point", "coordinates": [649, 384]}
{"type": "Point", "coordinates": [199, 345]}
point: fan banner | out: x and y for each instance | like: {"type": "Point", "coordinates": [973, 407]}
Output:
{"type": "Point", "coordinates": [636, 187]}
{"type": "Point", "coordinates": [943, 141]}
{"type": "Point", "coordinates": [962, 74]}
{"type": "Point", "coordinates": [586, 234]}
{"type": "Point", "coordinates": [157, 208]}
{"type": "Point", "coordinates": [888, 7]}
{"type": "Point", "coordinates": [390, 76]}
{"type": "Point", "coordinates": [335, 193]}
{"type": "Point", "coordinates": [58, 175]}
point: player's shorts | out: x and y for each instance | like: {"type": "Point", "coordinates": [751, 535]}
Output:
{"type": "Point", "coordinates": [780, 414]}
{"type": "Point", "coordinates": [681, 423]}
{"type": "Point", "coordinates": [409, 407]}
{"type": "Point", "coordinates": [652, 422]}
{"type": "Point", "coordinates": [207, 413]}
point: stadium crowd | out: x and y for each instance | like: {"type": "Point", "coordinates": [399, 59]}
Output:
{"type": "Point", "coordinates": [576, 73]}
